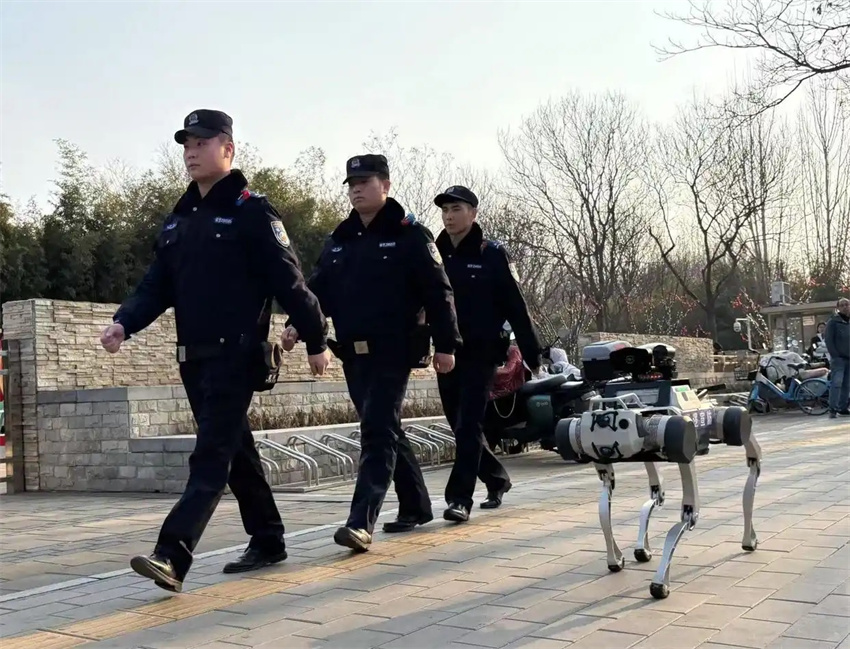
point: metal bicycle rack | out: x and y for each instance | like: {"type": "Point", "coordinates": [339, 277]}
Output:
{"type": "Point", "coordinates": [429, 451]}
{"type": "Point", "coordinates": [311, 466]}
{"type": "Point", "coordinates": [432, 445]}
{"type": "Point", "coordinates": [272, 467]}
{"type": "Point", "coordinates": [343, 462]}
{"type": "Point", "coordinates": [432, 448]}
{"type": "Point", "coordinates": [446, 442]}
{"type": "Point", "coordinates": [327, 438]}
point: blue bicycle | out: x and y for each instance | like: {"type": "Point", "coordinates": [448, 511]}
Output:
{"type": "Point", "coordinates": [810, 394]}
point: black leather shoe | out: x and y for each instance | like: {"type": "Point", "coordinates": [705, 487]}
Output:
{"type": "Point", "coordinates": [407, 523]}
{"type": "Point", "coordinates": [844, 413]}
{"type": "Point", "coordinates": [357, 540]}
{"type": "Point", "coordinates": [253, 559]}
{"type": "Point", "coordinates": [494, 497]}
{"type": "Point", "coordinates": [456, 513]}
{"type": "Point", "coordinates": [160, 569]}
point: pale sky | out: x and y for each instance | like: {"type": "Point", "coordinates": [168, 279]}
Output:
{"type": "Point", "coordinates": [117, 77]}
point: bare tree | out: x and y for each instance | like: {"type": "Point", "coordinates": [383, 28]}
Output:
{"type": "Point", "coordinates": [573, 171]}
{"type": "Point", "coordinates": [311, 172]}
{"type": "Point", "coordinates": [418, 173]}
{"type": "Point", "coordinates": [556, 302]}
{"type": "Point", "coordinates": [170, 165]}
{"type": "Point", "coordinates": [706, 166]}
{"type": "Point", "coordinates": [767, 181]}
{"type": "Point", "coordinates": [661, 306]}
{"type": "Point", "coordinates": [796, 40]}
{"type": "Point", "coordinates": [825, 186]}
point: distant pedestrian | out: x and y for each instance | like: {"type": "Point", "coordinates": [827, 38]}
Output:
{"type": "Point", "coordinates": [837, 337]}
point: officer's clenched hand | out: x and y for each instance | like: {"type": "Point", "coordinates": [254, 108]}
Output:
{"type": "Point", "coordinates": [289, 338]}
{"type": "Point", "coordinates": [444, 363]}
{"type": "Point", "coordinates": [112, 337]}
{"type": "Point", "coordinates": [319, 362]}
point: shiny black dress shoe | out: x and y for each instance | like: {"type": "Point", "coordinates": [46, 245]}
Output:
{"type": "Point", "coordinates": [407, 523]}
{"type": "Point", "coordinates": [160, 569]}
{"type": "Point", "coordinates": [494, 497]}
{"type": "Point", "coordinates": [254, 559]}
{"type": "Point", "coordinates": [456, 513]}
{"type": "Point", "coordinates": [357, 540]}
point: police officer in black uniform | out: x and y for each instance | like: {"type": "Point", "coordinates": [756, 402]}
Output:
{"type": "Point", "coordinates": [221, 257]}
{"type": "Point", "coordinates": [486, 295]}
{"type": "Point", "coordinates": [377, 272]}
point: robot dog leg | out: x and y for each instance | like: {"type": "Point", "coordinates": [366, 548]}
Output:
{"type": "Point", "coordinates": [643, 552]}
{"type": "Point", "coordinates": [660, 586]}
{"type": "Point", "coordinates": [616, 560]}
{"type": "Point", "coordinates": [668, 422]}
{"type": "Point", "coordinates": [734, 427]}
{"type": "Point", "coordinates": [626, 434]}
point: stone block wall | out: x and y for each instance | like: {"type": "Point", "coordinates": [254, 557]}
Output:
{"type": "Point", "coordinates": [140, 439]}
{"type": "Point", "coordinates": [67, 435]}
{"type": "Point", "coordinates": [84, 419]}
{"type": "Point", "coordinates": [68, 355]}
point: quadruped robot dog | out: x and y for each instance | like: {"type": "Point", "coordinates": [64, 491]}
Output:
{"type": "Point", "coordinates": [646, 414]}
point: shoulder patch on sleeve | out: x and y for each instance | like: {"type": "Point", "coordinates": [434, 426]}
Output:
{"type": "Point", "coordinates": [434, 252]}
{"type": "Point", "coordinates": [496, 246]}
{"type": "Point", "coordinates": [410, 219]}
{"type": "Point", "coordinates": [280, 233]}
{"type": "Point", "coordinates": [246, 194]}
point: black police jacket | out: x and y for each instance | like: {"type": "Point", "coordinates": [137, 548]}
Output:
{"type": "Point", "coordinates": [486, 295]}
{"type": "Point", "coordinates": [374, 281]}
{"type": "Point", "coordinates": [218, 259]}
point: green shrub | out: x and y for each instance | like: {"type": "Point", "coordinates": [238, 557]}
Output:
{"type": "Point", "coordinates": [328, 416]}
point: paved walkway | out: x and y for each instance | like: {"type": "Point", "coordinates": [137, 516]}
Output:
{"type": "Point", "coordinates": [529, 575]}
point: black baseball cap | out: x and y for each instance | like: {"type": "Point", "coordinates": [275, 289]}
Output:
{"type": "Point", "coordinates": [456, 193]}
{"type": "Point", "coordinates": [205, 123]}
{"type": "Point", "coordinates": [364, 166]}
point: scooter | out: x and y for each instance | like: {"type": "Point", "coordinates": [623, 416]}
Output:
{"type": "Point", "coordinates": [529, 413]}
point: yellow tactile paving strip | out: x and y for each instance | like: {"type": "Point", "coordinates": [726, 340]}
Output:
{"type": "Point", "coordinates": [42, 640]}
{"type": "Point", "coordinates": [209, 598]}
{"type": "Point", "coordinates": [109, 626]}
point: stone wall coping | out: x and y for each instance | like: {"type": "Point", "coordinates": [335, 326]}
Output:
{"type": "Point", "coordinates": [177, 392]}
{"type": "Point", "coordinates": [301, 387]}
{"type": "Point", "coordinates": [186, 443]}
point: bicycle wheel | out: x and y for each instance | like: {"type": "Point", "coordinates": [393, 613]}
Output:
{"type": "Point", "coordinates": [813, 396]}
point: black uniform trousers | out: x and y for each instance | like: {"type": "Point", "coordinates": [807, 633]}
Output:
{"type": "Point", "coordinates": [377, 388]}
{"type": "Point", "coordinates": [220, 394]}
{"type": "Point", "coordinates": [464, 393]}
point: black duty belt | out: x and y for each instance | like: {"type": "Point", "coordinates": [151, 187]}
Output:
{"type": "Point", "coordinates": [351, 348]}
{"type": "Point", "coordinates": [200, 352]}
{"type": "Point", "coordinates": [414, 350]}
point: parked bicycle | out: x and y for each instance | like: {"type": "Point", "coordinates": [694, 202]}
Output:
{"type": "Point", "coordinates": [788, 377]}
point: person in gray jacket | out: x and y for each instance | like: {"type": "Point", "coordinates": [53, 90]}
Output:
{"type": "Point", "coordinates": [837, 339]}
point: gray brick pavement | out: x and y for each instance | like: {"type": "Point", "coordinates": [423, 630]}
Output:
{"type": "Point", "coordinates": [542, 582]}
